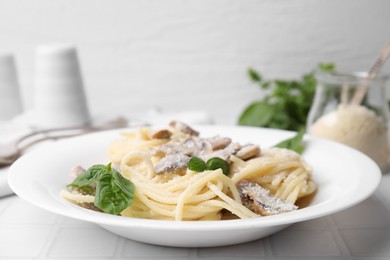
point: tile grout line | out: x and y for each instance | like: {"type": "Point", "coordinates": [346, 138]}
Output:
{"type": "Point", "coordinates": [119, 247]}
{"type": "Point", "coordinates": [342, 246]}
{"type": "Point", "coordinates": [56, 226]}
{"type": "Point", "coordinates": [267, 246]}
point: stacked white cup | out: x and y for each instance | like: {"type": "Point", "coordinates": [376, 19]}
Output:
{"type": "Point", "coordinates": [10, 100]}
{"type": "Point", "coordinates": [59, 98]}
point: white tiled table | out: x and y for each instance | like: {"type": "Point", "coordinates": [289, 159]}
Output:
{"type": "Point", "coordinates": [361, 232]}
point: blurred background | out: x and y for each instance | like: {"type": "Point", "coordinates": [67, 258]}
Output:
{"type": "Point", "coordinates": [192, 55]}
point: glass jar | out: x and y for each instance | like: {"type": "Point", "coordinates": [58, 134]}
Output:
{"type": "Point", "coordinates": [362, 126]}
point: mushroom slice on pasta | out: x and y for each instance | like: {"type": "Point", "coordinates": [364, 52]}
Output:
{"type": "Point", "coordinates": [180, 126]}
{"type": "Point", "coordinates": [258, 199]}
{"type": "Point", "coordinates": [172, 163]}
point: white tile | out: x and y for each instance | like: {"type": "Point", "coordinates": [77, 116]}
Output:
{"type": "Point", "coordinates": [304, 243]}
{"type": "Point", "coordinates": [83, 243]}
{"type": "Point", "coordinates": [365, 242]}
{"type": "Point", "coordinates": [20, 212]}
{"type": "Point", "coordinates": [136, 249]}
{"type": "Point", "coordinates": [370, 213]}
{"type": "Point", "coordinates": [23, 241]}
{"type": "Point", "coordinates": [251, 249]}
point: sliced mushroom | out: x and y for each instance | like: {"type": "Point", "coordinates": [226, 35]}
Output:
{"type": "Point", "coordinates": [172, 163]}
{"type": "Point", "coordinates": [192, 145]}
{"type": "Point", "coordinates": [184, 146]}
{"type": "Point", "coordinates": [259, 200]}
{"type": "Point", "coordinates": [218, 142]}
{"type": "Point", "coordinates": [189, 146]}
{"type": "Point", "coordinates": [161, 134]}
{"type": "Point", "coordinates": [248, 152]}
{"type": "Point", "coordinates": [204, 146]}
{"type": "Point", "coordinates": [183, 128]}
{"type": "Point", "coordinates": [224, 154]}
{"type": "Point", "coordinates": [197, 146]}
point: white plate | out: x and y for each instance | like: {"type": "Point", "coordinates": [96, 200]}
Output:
{"type": "Point", "coordinates": [344, 176]}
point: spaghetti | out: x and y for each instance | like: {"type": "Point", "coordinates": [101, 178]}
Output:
{"type": "Point", "coordinates": [178, 193]}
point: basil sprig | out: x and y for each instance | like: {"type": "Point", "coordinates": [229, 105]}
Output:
{"type": "Point", "coordinates": [113, 192]}
{"type": "Point", "coordinates": [285, 103]}
{"type": "Point", "coordinates": [198, 165]}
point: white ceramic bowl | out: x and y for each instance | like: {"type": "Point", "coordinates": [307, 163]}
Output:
{"type": "Point", "coordinates": [344, 176]}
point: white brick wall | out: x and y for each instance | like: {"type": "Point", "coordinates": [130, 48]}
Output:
{"type": "Point", "coordinates": [181, 54]}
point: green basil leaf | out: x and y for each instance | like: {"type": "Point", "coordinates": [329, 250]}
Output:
{"type": "Point", "coordinates": [295, 143]}
{"type": "Point", "coordinates": [114, 193]}
{"type": "Point", "coordinates": [216, 163]}
{"type": "Point", "coordinates": [257, 114]}
{"type": "Point", "coordinates": [196, 164]}
{"type": "Point", "coordinates": [253, 75]}
{"type": "Point", "coordinates": [90, 176]}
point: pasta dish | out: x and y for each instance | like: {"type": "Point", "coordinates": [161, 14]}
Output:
{"type": "Point", "coordinates": [175, 174]}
